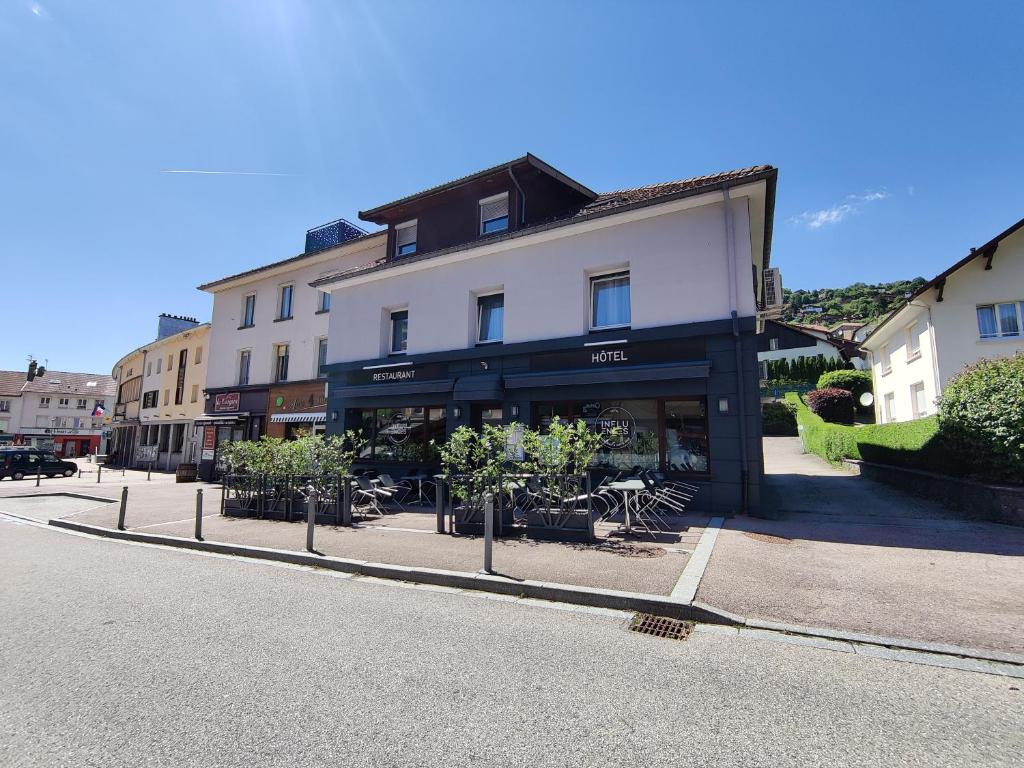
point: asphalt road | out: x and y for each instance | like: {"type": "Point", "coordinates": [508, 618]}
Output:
{"type": "Point", "coordinates": [127, 655]}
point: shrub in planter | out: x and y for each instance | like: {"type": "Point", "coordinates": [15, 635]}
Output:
{"type": "Point", "coordinates": [981, 417]}
{"type": "Point", "coordinates": [831, 404]}
{"type": "Point", "coordinates": [779, 419]}
{"type": "Point", "coordinates": [854, 382]}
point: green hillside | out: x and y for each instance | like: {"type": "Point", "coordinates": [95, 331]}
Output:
{"type": "Point", "coordinates": [861, 302]}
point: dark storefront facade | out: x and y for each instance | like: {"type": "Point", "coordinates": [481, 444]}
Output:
{"type": "Point", "coordinates": [673, 394]}
{"type": "Point", "coordinates": [231, 415]}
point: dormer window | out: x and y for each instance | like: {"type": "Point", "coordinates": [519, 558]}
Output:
{"type": "Point", "coordinates": [405, 239]}
{"type": "Point", "coordinates": [494, 214]}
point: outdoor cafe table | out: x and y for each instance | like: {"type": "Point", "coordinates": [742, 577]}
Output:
{"type": "Point", "coordinates": [629, 488]}
{"type": "Point", "coordinates": [418, 479]}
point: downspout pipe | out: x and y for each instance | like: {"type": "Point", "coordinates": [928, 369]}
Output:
{"type": "Point", "coordinates": [522, 196]}
{"type": "Point", "coordinates": [730, 250]}
{"type": "Point", "coordinates": [931, 345]}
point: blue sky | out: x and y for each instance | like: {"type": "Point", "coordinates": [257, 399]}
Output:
{"type": "Point", "coordinates": [897, 129]}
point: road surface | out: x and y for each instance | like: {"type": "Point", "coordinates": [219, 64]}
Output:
{"type": "Point", "coordinates": [114, 654]}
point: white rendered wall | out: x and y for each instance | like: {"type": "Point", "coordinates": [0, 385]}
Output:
{"type": "Point", "coordinates": [678, 274]}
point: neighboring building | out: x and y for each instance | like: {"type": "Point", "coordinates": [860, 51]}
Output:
{"type": "Point", "coordinates": [159, 394]}
{"type": "Point", "coordinates": [269, 338]}
{"type": "Point", "coordinates": [171, 392]}
{"type": "Point", "coordinates": [518, 294]}
{"type": "Point", "coordinates": [127, 372]}
{"type": "Point", "coordinates": [784, 341]}
{"type": "Point", "coordinates": [58, 411]}
{"type": "Point", "coordinates": [11, 383]}
{"type": "Point", "coordinates": [846, 330]}
{"type": "Point", "coordinates": [973, 310]}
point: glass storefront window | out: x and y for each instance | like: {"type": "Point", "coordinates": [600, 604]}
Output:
{"type": "Point", "coordinates": [651, 434]}
{"type": "Point", "coordinates": [400, 434]}
{"type": "Point", "coordinates": [686, 435]}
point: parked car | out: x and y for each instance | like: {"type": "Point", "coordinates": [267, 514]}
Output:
{"type": "Point", "coordinates": [19, 463]}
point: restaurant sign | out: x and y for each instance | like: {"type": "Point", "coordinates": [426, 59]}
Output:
{"type": "Point", "coordinates": [616, 427]}
{"type": "Point", "coordinates": [226, 401]}
{"type": "Point", "coordinates": [398, 374]}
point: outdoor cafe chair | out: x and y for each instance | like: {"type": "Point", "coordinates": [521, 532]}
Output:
{"type": "Point", "coordinates": [399, 490]}
{"type": "Point", "coordinates": [373, 496]}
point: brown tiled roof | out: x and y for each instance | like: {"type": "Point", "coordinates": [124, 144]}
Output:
{"type": "Point", "coordinates": [623, 197]}
{"type": "Point", "coordinates": [62, 382]}
{"type": "Point", "coordinates": [604, 204]}
{"type": "Point", "coordinates": [11, 382]}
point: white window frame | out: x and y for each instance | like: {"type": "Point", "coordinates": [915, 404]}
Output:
{"type": "Point", "coordinates": [912, 336]}
{"type": "Point", "coordinates": [391, 330]}
{"type": "Point", "coordinates": [593, 279]}
{"type": "Point", "coordinates": [479, 312]}
{"type": "Point", "coordinates": [276, 370]}
{"type": "Point", "coordinates": [149, 368]}
{"type": "Point", "coordinates": [480, 213]}
{"type": "Point", "coordinates": [290, 288]}
{"type": "Point", "coordinates": [44, 402]}
{"type": "Point", "coordinates": [317, 374]}
{"type": "Point", "coordinates": [81, 403]}
{"type": "Point", "coordinates": [917, 386]}
{"type": "Point", "coordinates": [885, 359]}
{"type": "Point", "coordinates": [167, 397]}
{"type": "Point", "coordinates": [773, 344]}
{"type": "Point", "coordinates": [170, 362]}
{"type": "Point", "coordinates": [197, 356]}
{"type": "Point", "coordinates": [195, 394]}
{"type": "Point", "coordinates": [1018, 306]}
{"type": "Point", "coordinates": [159, 363]}
{"type": "Point", "coordinates": [247, 320]}
{"type": "Point", "coordinates": [247, 353]}
{"type": "Point", "coordinates": [63, 402]}
{"type": "Point", "coordinates": [323, 301]}
{"type": "Point", "coordinates": [888, 406]}
{"type": "Point", "coordinates": [415, 240]}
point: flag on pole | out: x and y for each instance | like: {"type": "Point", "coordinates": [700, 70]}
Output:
{"type": "Point", "coordinates": [99, 411]}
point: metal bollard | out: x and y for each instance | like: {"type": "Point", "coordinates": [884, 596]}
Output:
{"type": "Point", "coordinates": [124, 507]}
{"type": "Point", "coordinates": [488, 533]}
{"type": "Point", "coordinates": [39, 474]}
{"type": "Point", "coordinates": [149, 469]}
{"type": "Point", "coordinates": [99, 471]}
{"type": "Point", "coordinates": [346, 501]}
{"type": "Point", "coordinates": [439, 501]}
{"type": "Point", "coordinates": [79, 473]}
{"type": "Point", "coordinates": [311, 504]}
{"type": "Point", "coordinates": [199, 514]}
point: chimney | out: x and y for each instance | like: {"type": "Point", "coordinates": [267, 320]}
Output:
{"type": "Point", "coordinates": [168, 325]}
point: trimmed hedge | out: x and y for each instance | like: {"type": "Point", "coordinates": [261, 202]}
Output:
{"type": "Point", "coordinates": [856, 382]}
{"type": "Point", "coordinates": [779, 419]}
{"type": "Point", "coordinates": [833, 405]}
{"type": "Point", "coordinates": [981, 414]}
{"type": "Point", "coordinates": [912, 444]}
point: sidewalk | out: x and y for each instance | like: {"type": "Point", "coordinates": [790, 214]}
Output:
{"type": "Point", "coordinates": [851, 554]}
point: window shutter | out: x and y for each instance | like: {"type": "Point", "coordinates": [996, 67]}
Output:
{"type": "Point", "coordinates": [406, 235]}
{"type": "Point", "coordinates": [494, 209]}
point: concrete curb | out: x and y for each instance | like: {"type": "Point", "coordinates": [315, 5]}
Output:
{"type": "Point", "coordinates": [542, 590]}
{"type": "Point", "coordinates": [69, 494]}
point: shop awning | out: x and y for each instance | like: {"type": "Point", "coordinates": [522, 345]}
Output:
{"type": "Point", "coordinates": [388, 390]}
{"type": "Point", "coordinates": [487, 386]}
{"type": "Point", "coordinates": [697, 369]}
{"type": "Point", "coordinates": [299, 418]}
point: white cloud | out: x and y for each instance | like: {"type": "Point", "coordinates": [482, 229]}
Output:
{"type": "Point", "coordinates": [836, 213]}
{"type": "Point", "coordinates": [38, 10]}
{"type": "Point", "coordinates": [225, 173]}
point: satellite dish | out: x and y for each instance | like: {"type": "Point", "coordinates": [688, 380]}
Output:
{"type": "Point", "coordinates": [867, 399]}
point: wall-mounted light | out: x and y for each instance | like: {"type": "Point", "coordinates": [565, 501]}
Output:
{"type": "Point", "coordinates": [456, 413]}
{"type": "Point", "coordinates": [723, 405]}
{"type": "Point", "coordinates": [334, 415]}
{"type": "Point", "coordinates": [514, 411]}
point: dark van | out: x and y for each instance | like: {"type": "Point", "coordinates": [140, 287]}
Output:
{"type": "Point", "coordinates": [19, 463]}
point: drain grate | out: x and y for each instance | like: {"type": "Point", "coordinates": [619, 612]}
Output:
{"type": "Point", "coordinates": [660, 626]}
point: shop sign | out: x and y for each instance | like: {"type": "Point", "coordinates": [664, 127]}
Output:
{"type": "Point", "coordinates": [615, 356]}
{"type": "Point", "coordinates": [398, 374]}
{"type": "Point", "coordinates": [207, 454]}
{"type": "Point", "coordinates": [398, 431]}
{"type": "Point", "coordinates": [146, 453]}
{"type": "Point", "coordinates": [616, 427]}
{"type": "Point", "coordinates": [209, 439]}
{"type": "Point", "coordinates": [312, 400]}
{"type": "Point", "coordinates": [226, 401]}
